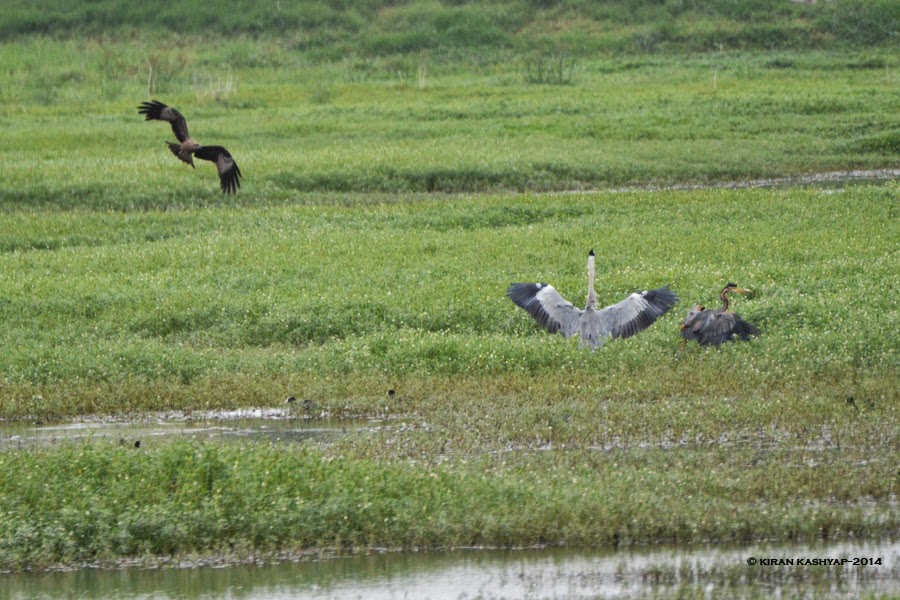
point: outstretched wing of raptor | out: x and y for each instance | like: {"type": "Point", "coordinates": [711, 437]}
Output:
{"type": "Point", "coordinates": [229, 173]}
{"type": "Point", "coordinates": [157, 111]}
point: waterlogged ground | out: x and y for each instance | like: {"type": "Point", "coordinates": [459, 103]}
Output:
{"type": "Point", "coordinates": [643, 572]}
{"type": "Point", "coordinates": [271, 424]}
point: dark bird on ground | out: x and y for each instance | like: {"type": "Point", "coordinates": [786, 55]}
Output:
{"type": "Point", "coordinates": [188, 148]}
{"type": "Point", "coordinates": [625, 319]}
{"type": "Point", "coordinates": [719, 325]}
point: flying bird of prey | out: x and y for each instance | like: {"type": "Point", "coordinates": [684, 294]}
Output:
{"type": "Point", "coordinates": [625, 319]}
{"type": "Point", "coordinates": [188, 148]}
{"type": "Point", "coordinates": [719, 325]}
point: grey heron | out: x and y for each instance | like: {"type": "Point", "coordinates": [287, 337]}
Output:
{"type": "Point", "coordinates": [624, 319]}
{"type": "Point", "coordinates": [718, 325]}
{"type": "Point", "coordinates": [188, 148]}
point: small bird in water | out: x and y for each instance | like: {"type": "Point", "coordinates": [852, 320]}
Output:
{"type": "Point", "coordinates": [188, 148]}
{"type": "Point", "coordinates": [625, 319]}
{"type": "Point", "coordinates": [719, 325]}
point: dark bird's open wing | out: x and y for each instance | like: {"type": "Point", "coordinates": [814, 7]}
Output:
{"type": "Point", "coordinates": [552, 311]}
{"type": "Point", "coordinates": [716, 329]}
{"type": "Point", "coordinates": [157, 111]}
{"type": "Point", "coordinates": [229, 173]}
{"type": "Point", "coordinates": [722, 326]}
{"type": "Point", "coordinates": [637, 312]}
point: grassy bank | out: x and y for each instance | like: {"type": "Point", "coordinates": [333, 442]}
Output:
{"type": "Point", "coordinates": [98, 504]}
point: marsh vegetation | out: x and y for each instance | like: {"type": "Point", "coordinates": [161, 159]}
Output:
{"type": "Point", "coordinates": [384, 211]}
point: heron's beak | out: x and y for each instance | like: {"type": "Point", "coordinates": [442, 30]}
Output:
{"type": "Point", "coordinates": [741, 291]}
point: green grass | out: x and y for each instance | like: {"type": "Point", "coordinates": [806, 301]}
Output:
{"type": "Point", "coordinates": [101, 503]}
{"type": "Point", "coordinates": [74, 138]}
{"type": "Point", "coordinates": [181, 308]}
{"type": "Point", "coordinates": [329, 30]}
{"type": "Point", "coordinates": [223, 307]}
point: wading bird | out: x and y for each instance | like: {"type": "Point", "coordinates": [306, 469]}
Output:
{"type": "Point", "coordinates": [188, 148]}
{"type": "Point", "coordinates": [554, 313]}
{"type": "Point", "coordinates": [719, 325]}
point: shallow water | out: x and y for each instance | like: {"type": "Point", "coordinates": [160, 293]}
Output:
{"type": "Point", "coordinates": [273, 424]}
{"type": "Point", "coordinates": [655, 572]}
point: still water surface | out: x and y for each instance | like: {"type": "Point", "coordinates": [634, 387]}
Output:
{"type": "Point", "coordinates": [649, 572]}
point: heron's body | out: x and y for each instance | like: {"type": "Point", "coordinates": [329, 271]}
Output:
{"type": "Point", "coordinates": [621, 320]}
{"type": "Point", "coordinates": [187, 147]}
{"type": "Point", "coordinates": [719, 325]}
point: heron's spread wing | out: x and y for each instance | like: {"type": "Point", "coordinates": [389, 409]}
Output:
{"type": "Point", "coordinates": [157, 111]}
{"type": "Point", "coordinates": [723, 327]}
{"type": "Point", "coordinates": [542, 301]}
{"type": "Point", "coordinates": [229, 173]}
{"type": "Point", "coordinates": [637, 312]}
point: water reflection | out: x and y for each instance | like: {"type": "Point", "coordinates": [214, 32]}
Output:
{"type": "Point", "coordinates": [537, 574]}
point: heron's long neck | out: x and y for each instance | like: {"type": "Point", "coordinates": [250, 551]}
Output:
{"type": "Point", "coordinates": [592, 296]}
{"type": "Point", "coordinates": [724, 301]}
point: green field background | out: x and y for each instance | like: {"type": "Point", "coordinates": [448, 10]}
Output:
{"type": "Point", "coordinates": [403, 164]}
